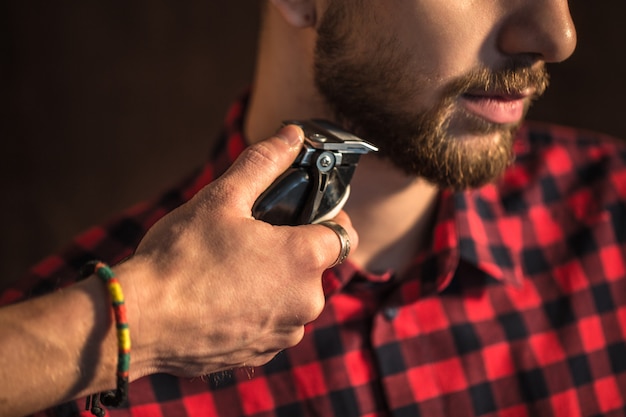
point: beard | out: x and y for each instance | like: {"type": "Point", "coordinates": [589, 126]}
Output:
{"type": "Point", "coordinates": [372, 92]}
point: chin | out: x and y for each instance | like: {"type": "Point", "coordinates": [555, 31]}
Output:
{"type": "Point", "coordinates": [460, 159]}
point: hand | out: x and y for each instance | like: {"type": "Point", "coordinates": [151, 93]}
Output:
{"type": "Point", "coordinates": [211, 288]}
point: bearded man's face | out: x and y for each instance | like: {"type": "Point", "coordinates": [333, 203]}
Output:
{"type": "Point", "coordinates": [419, 85]}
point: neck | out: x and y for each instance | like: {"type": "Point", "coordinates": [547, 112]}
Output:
{"type": "Point", "coordinates": [393, 214]}
{"type": "Point", "coordinates": [391, 211]}
{"type": "Point", "coordinates": [283, 87]}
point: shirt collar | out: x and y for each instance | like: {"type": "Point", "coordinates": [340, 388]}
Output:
{"type": "Point", "coordinates": [474, 227]}
{"type": "Point", "coordinates": [486, 237]}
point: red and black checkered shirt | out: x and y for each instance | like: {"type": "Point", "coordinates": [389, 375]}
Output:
{"type": "Point", "coordinates": [517, 309]}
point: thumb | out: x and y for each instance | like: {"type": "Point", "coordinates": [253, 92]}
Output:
{"type": "Point", "coordinates": [260, 164]}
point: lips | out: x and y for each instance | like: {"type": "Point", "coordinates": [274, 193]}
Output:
{"type": "Point", "coordinates": [496, 108]}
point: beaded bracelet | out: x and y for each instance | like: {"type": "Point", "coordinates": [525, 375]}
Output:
{"type": "Point", "coordinates": [120, 394]}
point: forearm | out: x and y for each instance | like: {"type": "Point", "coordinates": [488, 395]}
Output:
{"type": "Point", "coordinates": [183, 288]}
{"type": "Point", "coordinates": [56, 348]}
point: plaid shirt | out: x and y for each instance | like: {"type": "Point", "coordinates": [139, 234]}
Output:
{"type": "Point", "coordinates": [517, 309]}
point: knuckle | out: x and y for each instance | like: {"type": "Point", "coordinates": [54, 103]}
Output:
{"type": "Point", "coordinates": [294, 337]}
{"type": "Point", "coordinates": [319, 260]}
{"type": "Point", "coordinates": [312, 256]}
{"type": "Point", "coordinates": [318, 256]}
{"type": "Point", "coordinates": [317, 306]}
{"type": "Point", "coordinates": [314, 304]}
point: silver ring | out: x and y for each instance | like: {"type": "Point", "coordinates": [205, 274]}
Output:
{"type": "Point", "coordinates": [344, 240]}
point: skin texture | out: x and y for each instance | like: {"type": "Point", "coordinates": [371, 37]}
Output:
{"type": "Point", "coordinates": [223, 301]}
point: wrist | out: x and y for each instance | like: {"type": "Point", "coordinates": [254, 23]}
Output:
{"type": "Point", "coordinates": [133, 275]}
{"type": "Point", "coordinates": [90, 342]}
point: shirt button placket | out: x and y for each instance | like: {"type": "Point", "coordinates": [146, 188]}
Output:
{"type": "Point", "coordinates": [391, 361]}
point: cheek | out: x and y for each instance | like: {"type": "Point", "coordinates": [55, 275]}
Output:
{"type": "Point", "coordinates": [446, 37]}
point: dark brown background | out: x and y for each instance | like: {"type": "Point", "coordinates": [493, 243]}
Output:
{"type": "Point", "coordinates": [105, 103]}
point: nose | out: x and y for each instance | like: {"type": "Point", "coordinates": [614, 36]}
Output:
{"type": "Point", "coordinates": [540, 28]}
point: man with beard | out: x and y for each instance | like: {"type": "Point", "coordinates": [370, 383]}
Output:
{"type": "Point", "coordinates": [489, 276]}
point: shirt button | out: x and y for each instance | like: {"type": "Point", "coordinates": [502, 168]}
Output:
{"type": "Point", "coordinates": [390, 313]}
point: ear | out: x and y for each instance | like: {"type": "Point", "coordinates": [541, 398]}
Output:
{"type": "Point", "coordinates": [298, 13]}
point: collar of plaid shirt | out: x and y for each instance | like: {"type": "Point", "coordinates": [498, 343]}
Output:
{"type": "Point", "coordinates": [518, 308]}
